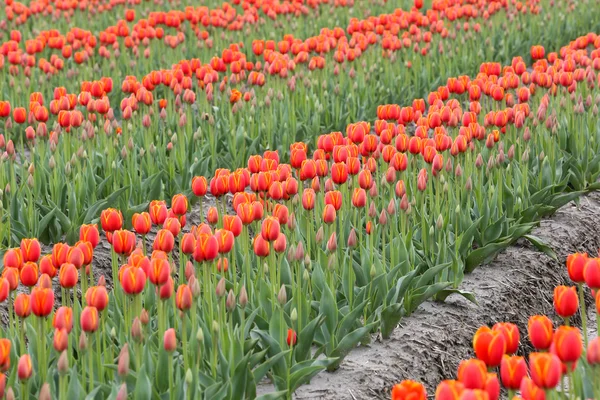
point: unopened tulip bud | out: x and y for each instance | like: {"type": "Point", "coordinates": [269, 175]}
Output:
{"type": "Point", "coordinates": [479, 161]}
{"type": "Point", "coordinates": [299, 252]}
{"type": "Point", "coordinates": [331, 262]}
{"type": "Point", "coordinates": [352, 239]}
{"type": "Point", "coordinates": [189, 378]}
{"type": "Point", "coordinates": [113, 332]}
{"type": "Point", "coordinates": [215, 327]}
{"type": "Point", "coordinates": [266, 268]}
{"type": "Point", "coordinates": [220, 290]}
{"type": "Point", "coordinates": [30, 181]}
{"type": "Point", "coordinates": [82, 341]}
{"type": "Point", "coordinates": [230, 302]}
{"type": "Point", "coordinates": [307, 260]}
{"type": "Point", "coordinates": [243, 297]}
{"type": "Point", "coordinates": [144, 317]}
{"type": "Point", "coordinates": [294, 315]}
{"type": "Point", "coordinates": [63, 363]}
{"type": "Point", "coordinates": [200, 335]}
{"type": "Point", "coordinates": [10, 394]}
{"type": "Point", "coordinates": [372, 271]}
{"type": "Point", "coordinates": [195, 287]}
{"type": "Point", "coordinates": [469, 184]}
{"type": "Point", "coordinates": [458, 171]}
{"type": "Point", "coordinates": [282, 295]}
{"type": "Point", "coordinates": [122, 394]}
{"type": "Point", "coordinates": [320, 234]}
{"type": "Point", "coordinates": [306, 275]}
{"type": "Point", "coordinates": [382, 218]}
{"type": "Point", "coordinates": [431, 231]}
{"type": "Point", "coordinates": [391, 208]}
{"type": "Point", "coordinates": [136, 330]}
{"type": "Point", "coordinates": [440, 222]}
{"type": "Point", "coordinates": [45, 392]}
{"type": "Point", "coordinates": [332, 243]}
{"type": "Point", "coordinates": [123, 365]}
{"type": "Point", "coordinates": [372, 210]}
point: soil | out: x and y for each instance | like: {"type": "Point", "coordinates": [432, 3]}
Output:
{"type": "Point", "coordinates": [428, 345]}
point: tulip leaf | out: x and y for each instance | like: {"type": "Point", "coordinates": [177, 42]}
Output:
{"type": "Point", "coordinates": [542, 246]}
{"type": "Point", "coordinates": [349, 341]}
{"type": "Point", "coordinates": [422, 294]}
{"type": "Point", "coordinates": [467, 236]}
{"type": "Point", "coordinates": [143, 387]}
{"type": "Point", "coordinates": [306, 338]}
{"type": "Point", "coordinates": [484, 254]}
{"type": "Point", "coordinates": [328, 308]}
{"type": "Point", "coordinates": [260, 371]}
{"type": "Point", "coordinates": [302, 375]}
{"type": "Point", "coordinates": [277, 327]}
{"type": "Point", "coordinates": [350, 320]}
{"type": "Point", "coordinates": [430, 274]}
{"type": "Point", "coordinates": [92, 395]}
{"type": "Point", "coordinates": [43, 224]}
{"type": "Point", "coordinates": [75, 391]}
{"type": "Point", "coordinates": [273, 396]}
{"type": "Point", "coordinates": [443, 295]}
{"type": "Point", "coordinates": [390, 316]}
{"type": "Point", "coordinates": [239, 379]}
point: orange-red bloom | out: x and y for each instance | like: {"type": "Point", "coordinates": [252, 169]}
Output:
{"type": "Point", "coordinates": [97, 297]}
{"type": "Point", "coordinates": [540, 331]}
{"type": "Point", "coordinates": [22, 305]}
{"type": "Point", "coordinates": [123, 241]}
{"type": "Point", "coordinates": [593, 352]}
{"type": "Point", "coordinates": [29, 274]}
{"type": "Point", "coordinates": [61, 340]}
{"type": "Point", "coordinates": [591, 273]}
{"type": "Point", "coordinates": [179, 204]}
{"type": "Point", "coordinates": [170, 340]}
{"type": "Point", "coordinates": [575, 266]}
{"type": "Point", "coordinates": [68, 276]}
{"type": "Point", "coordinates": [89, 233]}
{"type": "Point", "coordinates": [164, 241]}
{"type": "Point", "coordinates": [511, 335]}
{"type": "Point", "coordinates": [42, 301]}
{"type": "Point", "coordinates": [546, 370]}
{"type": "Point", "coordinates": [568, 344]}
{"type": "Point", "coordinates": [529, 391]}
{"type": "Point", "coordinates": [24, 367]}
{"type": "Point", "coordinates": [141, 223]}
{"type": "Point", "coordinates": [472, 373]}
{"type": "Point", "coordinates": [159, 271]}
{"type": "Point", "coordinates": [111, 220]}
{"type": "Point", "coordinates": [270, 229]}
{"type": "Point", "coordinates": [199, 186]}
{"type": "Point", "coordinates": [158, 212]}
{"type": "Point", "coordinates": [489, 346]}
{"type": "Point", "coordinates": [449, 390]}
{"type": "Point", "coordinates": [183, 297]}
{"type": "Point", "coordinates": [63, 318]}
{"type": "Point", "coordinates": [566, 302]}
{"type": "Point", "coordinates": [13, 258]}
{"type": "Point", "coordinates": [5, 354]}
{"type": "Point", "coordinates": [512, 371]}
{"type": "Point", "coordinates": [409, 390]}
{"type": "Point", "coordinates": [89, 319]}
{"type": "Point", "coordinates": [207, 248]}
{"type": "Point", "coordinates": [133, 280]}
{"type": "Point", "coordinates": [30, 250]}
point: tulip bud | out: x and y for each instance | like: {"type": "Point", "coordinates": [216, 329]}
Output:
{"type": "Point", "coordinates": [372, 271]}
{"type": "Point", "coordinates": [136, 330]}
{"type": "Point", "coordinates": [307, 260]}
{"type": "Point", "coordinates": [10, 395]}
{"type": "Point", "coordinates": [230, 302]}
{"type": "Point", "coordinates": [352, 239]}
{"type": "Point", "coordinates": [200, 335]}
{"type": "Point", "coordinates": [122, 394]}
{"type": "Point", "coordinates": [83, 341]}
{"type": "Point", "coordinates": [144, 317]}
{"type": "Point", "coordinates": [299, 253]}
{"type": "Point", "coordinates": [169, 340]}
{"type": "Point", "coordinates": [189, 378]}
{"type": "Point", "coordinates": [123, 365]}
{"type": "Point", "coordinates": [282, 295]}
{"type": "Point", "coordinates": [469, 184]}
{"type": "Point", "coordinates": [305, 275]}
{"type": "Point", "coordinates": [215, 327]}
{"type": "Point", "coordinates": [439, 223]}
{"type": "Point", "coordinates": [332, 243]}
{"type": "Point", "coordinates": [63, 363]}
{"type": "Point", "coordinates": [294, 315]}
{"type": "Point", "coordinates": [221, 290]}
{"type": "Point", "coordinates": [243, 299]}
{"type": "Point", "coordinates": [320, 234]}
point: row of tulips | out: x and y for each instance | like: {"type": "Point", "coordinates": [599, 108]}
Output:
{"type": "Point", "coordinates": [564, 364]}
{"type": "Point", "coordinates": [308, 258]}
{"type": "Point", "coordinates": [53, 148]}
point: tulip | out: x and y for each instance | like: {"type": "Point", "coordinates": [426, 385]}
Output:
{"type": "Point", "coordinates": [591, 273]}
{"type": "Point", "coordinates": [89, 319]}
{"type": "Point", "coordinates": [179, 204]}
{"type": "Point", "coordinates": [291, 337]}
{"type": "Point", "coordinates": [24, 368]}
{"type": "Point", "coordinates": [133, 280]}
{"type": "Point", "coordinates": [199, 186]}
{"type": "Point", "coordinates": [12, 276]}
{"type": "Point", "coordinates": [89, 233]}
{"type": "Point", "coordinates": [474, 394]}
{"type": "Point", "coordinates": [593, 352]}
{"type": "Point", "coordinates": [449, 390]}
{"type": "Point", "coordinates": [158, 212]}
{"type": "Point", "coordinates": [22, 305]}
{"type": "Point", "coordinates": [4, 289]}
{"type": "Point", "coordinates": [207, 248]}
{"type": "Point", "coordinates": [123, 363]}
{"type": "Point", "coordinates": [511, 335]}
{"type": "Point", "coordinates": [261, 246]}
{"type": "Point", "coordinates": [166, 291]}
{"type": "Point", "coordinates": [270, 229]}
{"type": "Point", "coordinates": [29, 274]}
{"type": "Point", "coordinates": [409, 390]}
{"type": "Point", "coordinates": [489, 346]}
{"type": "Point", "coordinates": [183, 298]}
{"type": "Point", "coordinates": [61, 340]}
{"type": "Point", "coordinates": [42, 301]}
{"type": "Point", "coordinates": [512, 371]}
{"type": "Point", "coordinates": [123, 242]}
{"type": "Point", "coordinates": [472, 373]}
{"type": "Point", "coordinates": [546, 370]}
{"type": "Point", "coordinates": [75, 256]}
{"type": "Point", "coordinates": [575, 266]}
{"type": "Point", "coordinates": [568, 344]}
{"type": "Point", "coordinates": [540, 332]}
{"type": "Point", "coordinates": [13, 258]}
{"type": "Point", "coordinates": [566, 302]}
{"type": "Point", "coordinates": [5, 345]}
{"type": "Point", "coordinates": [280, 244]}
{"type": "Point", "coordinates": [329, 214]}
{"type": "Point", "coordinates": [529, 391]}
{"type": "Point", "coordinates": [30, 250]}
{"type": "Point", "coordinates": [111, 220]}
{"type": "Point", "coordinates": [63, 319]}
{"type": "Point", "coordinates": [97, 297]}
{"type": "Point", "coordinates": [169, 340]}
{"type": "Point", "coordinates": [159, 271]}
{"type": "Point", "coordinates": [212, 216]}
{"type": "Point", "coordinates": [68, 276]}
{"type": "Point", "coordinates": [141, 223]}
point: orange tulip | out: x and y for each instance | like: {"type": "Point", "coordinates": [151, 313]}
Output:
{"type": "Point", "coordinates": [568, 344]}
{"type": "Point", "coordinates": [159, 271]}
{"type": "Point", "coordinates": [511, 335]}
{"type": "Point", "coordinates": [591, 273]}
{"type": "Point", "coordinates": [89, 319]}
{"type": "Point", "coordinates": [30, 250]}
{"type": "Point", "coordinates": [212, 215]}
{"type": "Point", "coordinates": [75, 256]}
{"type": "Point", "coordinates": [179, 204]}
{"type": "Point", "coordinates": [566, 301]}
{"type": "Point", "coordinates": [42, 301]}
{"type": "Point", "coordinates": [87, 249]}
{"type": "Point", "coordinates": [546, 370]}
{"type": "Point", "coordinates": [199, 186]}
{"type": "Point", "coordinates": [233, 223]}
{"type": "Point", "coordinates": [4, 289]}
{"type": "Point", "coordinates": [489, 346]}
{"type": "Point", "coordinates": [19, 115]}
{"type": "Point", "coordinates": [164, 241]}
{"type": "Point", "coordinates": [270, 229]}
{"type": "Point", "coordinates": [261, 246]}
{"type": "Point", "coordinates": [12, 276]}
{"type": "Point", "coordinates": [170, 340]}
{"type": "Point", "coordinates": [235, 96]}
{"type": "Point", "coordinates": [111, 220]}
{"type": "Point", "coordinates": [61, 340]}
{"type": "Point", "coordinates": [158, 212]}
{"type": "Point", "coordinates": [529, 391]}
{"type": "Point", "coordinates": [308, 199]}
{"type": "Point", "coordinates": [5, 354]}
{"type": "Point", "coordinates": [408, 389]}
{"type": "Point", "coordinates": [207, 248]}
{"type": "Point", "coordinates": [13, 258]}
{"type": "Point", "coordinates": [329, 214]}
{"type": "Point", "coordinates": [540, 332]}
{"type": "Point", "coordinates": [474, 394]}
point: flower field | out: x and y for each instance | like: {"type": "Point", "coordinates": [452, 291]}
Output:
{"type": "Point", "coordinates": [204, 201]}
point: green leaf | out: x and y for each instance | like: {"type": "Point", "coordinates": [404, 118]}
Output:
{"type": "Point", "coordinates": [390, 316]}
{"type": "Point", "coordinates": [484, 254]}
{"type": "Point", "coordinates": [273, 396]}
{"type": "Point", "coordinates": [45, 221]}
{"type": "Point", "coordinates": [542, 246]}
{"type": "Point", "coordinates": [75, 390]}
{"type": "Point", "coordinates": [143, 387]}
{"type": "Point", "coordinates": [306, 338]}
{"type": "Point", "coordinates": [443, 295]}
{"type": "Point", "coordinates": [329, 309]}
{"type": "Point", "coordinates": [305, 374]}
{"type": "Point", "coordinates": [260, 371]}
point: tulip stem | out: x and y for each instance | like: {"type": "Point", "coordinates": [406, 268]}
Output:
{"type": "Point", "coordinates": [41, 349]}
{"type": "Point", "coordinates": [170, 370]}
{"type": "Point", "coordinates": [583, 314]}
{"type": "Point", "coordinates": [91, 369]}
{"type": "Point", "coordinates": [25, 390]}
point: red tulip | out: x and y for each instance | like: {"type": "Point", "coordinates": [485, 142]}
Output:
{"type": "Point", "coordinates": [575, 266]}
{"type": "Point", "coordinates": [159, 271]}
{"type": "Point", "coordinates": [512, 371]}
{"type": "Point", "coordinates": [158, 212]}
{"type": "Point", "coordinates": [29, 274]}
{"type": "Point", "coordinates": [75, 256]}
{"type": "Point", "coordinates": [270, 229]}
{"type": "Point", "coordinates": [170, 340]}
{"type": "Point", "coordinates": [89, 319]}
{"type": "Point", "coordinates": [593, 352]}
{"type": "Point", "coordinates": [199, 186]}
{"type": "Point", "coordinates": [24, 367]}
{"type": "Point", "coordinates": [4, 289]}
{"type": "Point", "coordinates": [19, 115]}
{"type": "Point", "coordinates": [291, 337]}
{"type": "Point", "coordinates": [13, 258]}
{"type": "Point", "coordinates": [179, 204]}
{"type": "Point", "coordinates": [12, 276]}
{"type": "Point", "coordinates": [89, 233]}
{"type": "Point", "coordinates": [546, 370]}
{"type": "Point", "coordinates": [212, 215]}
{"type": "Point", "coordinates": [566, 302]}
{"type": "Point", "coordinates": [449, 390]}
{"type": "Point", "coordinates": [489, 346]}
{"type": "Point", "coordinates": [540, 332]}
{"type": "Point", "coordinates": [133, 280]}
{"type": "Point", "coordinates": [511, 335]}
{"type": "Point", "coordinates": [591, 273]}
{"type": "Point", "coordinates": [61, 340]}
{"type": "Point", "coordinates": [529, 391]}
{"type": "Point", "coordinates": [207, 248]}
{"type": "Point", "coordinates": [261, 246]}
{"type": "Point", "coordinates": [183, 298]}
{"type": "Point", "coordinates": [111, 219]}
{"type": "Point", "coordinates": [22, 305]}
{"type": "Point", "coordinates": [123, 242]}
{"type": "Point", "coordinates": [233, 223]}
{"type": "Point", "coordinates": [63, 319]}
{"type": "Point", "coordinates": [68, 276]}
{"type": "Point", "coordinates": [568, 344]}
{"type": "Point", "coordinates": [164, 241]}
{"type": "Point", "coordinates": [329, 214]}
{"type": "Point", "coordinates": [5, 354]}
{"type": "Point", "coordinates": [30, 250]}
{"type": "Point", "coordinates": [97, 297]}
{"type": "Point", "coordinates": [472, 373]}
{"type": "Point", "coordinates": [141, 223]}
{"type": "Point", "coordinates": [47, 267]}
